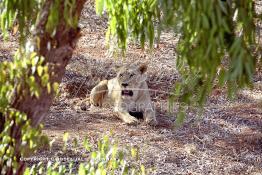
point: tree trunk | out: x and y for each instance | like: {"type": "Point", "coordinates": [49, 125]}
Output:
{"type": "Point", "coordinates": [56, 57]}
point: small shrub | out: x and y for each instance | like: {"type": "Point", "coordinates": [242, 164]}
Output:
{"type": "Point", "coordinates": [105, 157]}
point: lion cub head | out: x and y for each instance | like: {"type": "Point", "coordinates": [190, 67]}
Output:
{"type": "Point", "coordinates": [131, 78]}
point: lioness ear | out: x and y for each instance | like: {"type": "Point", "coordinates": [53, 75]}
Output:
{"type": "Point", "coordinates": [143, 68]}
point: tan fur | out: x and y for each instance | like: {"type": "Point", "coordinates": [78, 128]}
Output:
{"type": "Point", "coordinates": [98, 93]}
{"type": "Point", "coordinates": [129, 80]}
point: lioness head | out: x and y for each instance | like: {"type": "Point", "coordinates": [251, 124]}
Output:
{"type": "Point", "coordinates": [131, 78]}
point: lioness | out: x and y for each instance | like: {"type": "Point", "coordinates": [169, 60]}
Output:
{"type": "Point", "coordinates": [127, 92]}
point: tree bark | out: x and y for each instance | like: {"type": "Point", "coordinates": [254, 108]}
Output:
{"type": "Point", "coordinates": [56, 58]}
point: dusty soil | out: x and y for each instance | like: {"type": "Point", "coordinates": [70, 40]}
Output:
{"type": "Point", "coordinates": [225, 139]}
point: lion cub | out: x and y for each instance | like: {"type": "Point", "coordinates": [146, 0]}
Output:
{"type": "Point", "coordinates": [127, 92]}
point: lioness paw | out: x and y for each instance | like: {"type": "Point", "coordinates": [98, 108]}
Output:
{"type": "Point", "coordinates": [131, 121]}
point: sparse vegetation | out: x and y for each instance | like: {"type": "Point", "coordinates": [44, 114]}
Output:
{"type": "Point", "coordinates": [105, 158]}
{"type": "Point", "coordinates": [216, 41]}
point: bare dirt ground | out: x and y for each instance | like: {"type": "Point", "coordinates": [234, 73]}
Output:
{"type": "Point", "coordinates": [226, 139]}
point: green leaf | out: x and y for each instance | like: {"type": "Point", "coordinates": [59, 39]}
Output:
{"type": "Point", "coordinates": [86, 144]}
{"type": "Point", "coordinates": [81, 169]}
{"type": "Point", "coordinates": [40, 70]}
{"type": "Point", "coordinates": [65, 137]}
{"type": "Point", "coordinates": [180, 118]}
{"type": "Point", "coordinates": [134, 153]}
{"type": "Point", "coordinates": [151, 34]}
{"type": "Point", "coordinates": [48, 87]}
{"type": "Point", "coordinates": [143, 170]}
{"type": "Point", "coordinates": [27, 171]}
{"type": "Point", "coordinates": [56, 87]}
{"type": "Point", "coordinates": [100, 6]}
{"type": "Point", "coordinates": [205, 21]}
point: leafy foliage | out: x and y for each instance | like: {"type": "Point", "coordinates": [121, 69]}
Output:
{"type": "Point", "coordinates": [105, 158]}
{"type": "Point", "coordinates": [26, 74]}
{"type": "Point", "coordinates": [217, 42]}
{"type": "Point", "coordinates": [15, 77]}
{"type": "Point", "coordinates": [133, 17]}
{"type": "Point", "coordinates": [55, 17]}
{"type": "Point", "coordinates": [218, 39]}
{"type": "Point", "coordinates": [25, 12]}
